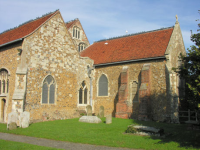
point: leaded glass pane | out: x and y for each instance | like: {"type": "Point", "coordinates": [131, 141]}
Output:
{"type": "Point", "coordinates": [80, 96]}
{"type": "Point", "coordinates": [85, 96]}
{"type": "Point", "coordinates": [49, 79]}
{"type": "Point", "coordinates": [79, 49]}
{"type": "Point", "coordinates": [103, 86]}
{"type": "Point", "coordinates": [83, 84]}
{"type": "Point", "coordinates": [3, 86]}
{"type": "Point", "coordinates": [44, 94]}
{"type": "Point", "coordinates": [52, 94]}
{"type": "Point", "coordinates": [73, 32]}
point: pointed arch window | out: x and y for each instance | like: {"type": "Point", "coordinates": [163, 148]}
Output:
{"type": "Point", "coordinates": [4, 81]}
{"type": "Point", "coordinates": [48, 90]}
{"type": "Point", "coordinates": [83, 94]}
{"type": "Point", "coordinates": [103, 86]}
{"type": "Point", "coordinates": [81, 47]}
{"type": "Point", "coordinates": [76, 32]}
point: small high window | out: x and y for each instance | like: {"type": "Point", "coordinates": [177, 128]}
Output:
{"type": "Point", "coordinates": [83, 93]}
{"type": "Point", "coordinates": [103, 86]}
{"type": "Point", "coordinates": [48, 90]}
{"type": "Point", "coordinates": [4, 81]}
{"type": "Point", "coordinates": [81, 47]}
{"type": "Point", "coordinates": [76, 32]}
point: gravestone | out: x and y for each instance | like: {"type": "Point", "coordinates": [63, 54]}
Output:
{"type": "Point", "coordinates": [109, 119]}
{"type": "Point", "coordinates": [90, 119]}
{"type": "Point", "coordinates": [24, 119]}
{"type": "Point", "coordinates": [101, 112]}
{"type": "Point", "coordinates": [12, 117]}
{"type": "Point", "coordinates": [89, 110]}
{"type": "Point", "coordinates": [12, 126]}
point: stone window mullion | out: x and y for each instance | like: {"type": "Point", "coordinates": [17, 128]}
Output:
{"type": "Point", "coordinates": [7, 85]}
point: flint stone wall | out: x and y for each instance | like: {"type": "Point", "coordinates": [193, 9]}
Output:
{"type": "Point", "coordinates": [9, 60]}
{"type": "Point", "coordinates": [50, 51]}
{"type": "Point", "coordinates": [158, 93]}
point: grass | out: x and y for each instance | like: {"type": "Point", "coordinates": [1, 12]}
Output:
{"type": "Point", "coordinates": [21, 146]}
{"type": "Point", "coordinates": [112, 134]}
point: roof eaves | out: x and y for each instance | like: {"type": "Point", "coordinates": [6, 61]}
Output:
{"type": "Point", "coordinates": [11, 42]}
{"type": "Point", "coordinates": [128, 61]}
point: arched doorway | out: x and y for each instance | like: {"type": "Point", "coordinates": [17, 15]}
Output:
{"type": "Point", "coordinates": [3, 110]}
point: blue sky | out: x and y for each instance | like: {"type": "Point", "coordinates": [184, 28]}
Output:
{"type": "Point", "coordinates": [103, 19]}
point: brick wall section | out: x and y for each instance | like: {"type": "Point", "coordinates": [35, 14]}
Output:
{"type": "Point", "coordinates": [121, 106]}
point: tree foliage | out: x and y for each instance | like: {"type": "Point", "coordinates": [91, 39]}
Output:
{"type": "Point", "coordinates": [190, 69]}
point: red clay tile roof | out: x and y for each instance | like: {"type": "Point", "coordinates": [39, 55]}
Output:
{"type": "Point", "coordinates": [68, 24]}
{"type": "Point", "coordinates": [23, 30]}
{"type": "Point", "coordinates": [139, 46]}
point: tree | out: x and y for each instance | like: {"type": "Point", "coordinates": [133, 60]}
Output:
{"type": "Point", "coordinates": [190, 70]}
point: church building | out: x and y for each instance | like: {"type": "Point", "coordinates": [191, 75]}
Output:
{"type": "Point", "coordinates": [49, 69]}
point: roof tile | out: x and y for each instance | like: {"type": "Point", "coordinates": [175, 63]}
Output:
{"type": "Point", "coordinates": [68, 24]}
{"type": "Point", "coordinates": [132, 47]}
{"type": "Point", "coordinates": [23, 30]}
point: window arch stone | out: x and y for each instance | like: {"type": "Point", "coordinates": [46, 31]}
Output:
{"type": "Point", "coordinates": [48, 90]}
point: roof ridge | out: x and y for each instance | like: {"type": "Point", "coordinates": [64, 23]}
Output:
{"type": "Point", "coordinates": [71, 20]}
{"type": "Point", "coordinates": [142, 32]}
{"type": "Point", "coordinates": [31, 20]}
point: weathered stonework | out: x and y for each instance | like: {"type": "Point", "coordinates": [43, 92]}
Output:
{"type": "Point", "coordinates": [47, 51]}
{"type": "Point", "coordinates": [60, 59]}
{"type": "Point", "coordinates": [140, 89]}
{"type": "Point", "coordinates": [158, 85]}
{"type": "Point", "coordinates": [9, 60]}
{"type": "Point", "coordinates": [83, 37]}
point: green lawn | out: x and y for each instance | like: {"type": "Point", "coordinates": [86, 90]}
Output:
{"type": "Point", "coordinates": [112, 134]}
{"type": "Point", "coordinates": [9, 145]}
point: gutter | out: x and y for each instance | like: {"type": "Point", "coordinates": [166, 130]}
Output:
{"type": "Point", "coordinates": [11, 42]}
{"type": "Point", "coordinates": [128, 61]}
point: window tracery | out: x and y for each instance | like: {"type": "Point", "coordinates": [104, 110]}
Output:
{"type": "Point", "coordinates": [48, 90]}
{"type": "Point", "coordinates": [83, 94]}
{"type": "Point", "coordinates": [4, 81]}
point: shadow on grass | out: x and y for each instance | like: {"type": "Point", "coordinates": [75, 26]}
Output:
{"type": "Point", "coordinates": [179, 133]}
